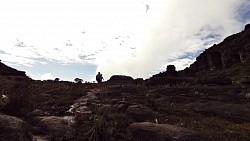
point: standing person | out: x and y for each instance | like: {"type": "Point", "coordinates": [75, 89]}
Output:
{"type": "Point", "coordinates": [99, 78]}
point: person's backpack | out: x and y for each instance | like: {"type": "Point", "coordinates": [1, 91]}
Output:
{"type": "Point", "coordinates": [98, 77]}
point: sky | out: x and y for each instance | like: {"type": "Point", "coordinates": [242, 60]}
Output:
{"type": "Point", "coordinates": [70, 39]}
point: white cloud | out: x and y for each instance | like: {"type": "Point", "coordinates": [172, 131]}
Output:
{"type": "Point", "coordinates": [175, 30]}
{"type": "Point", "coordinates": [46, 76]}
{"type": "Point", "coordinates": [44, 63]}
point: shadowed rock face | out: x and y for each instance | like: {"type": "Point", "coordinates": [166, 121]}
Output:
{"type": "Point", "coordinates": [8, 71]}
{"type": "Point", "coordinates": [235, 49]}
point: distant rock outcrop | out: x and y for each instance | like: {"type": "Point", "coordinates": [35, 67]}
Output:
{"type": "Point", "coordinates": [170, 76]}
{"type": "Point", "coordinates": [222, 64]}
{"type": "Point", "coordinates": [170, 72]}
{"type": "Point", "coordinates": [234, 50]}
{"type": "Point", "coordinates": [121, 79]}
{"type": "Point", "coordinates": [8, 71]}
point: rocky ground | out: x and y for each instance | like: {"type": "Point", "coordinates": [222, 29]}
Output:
{"type": "Point", "coordinates": [67, 111]}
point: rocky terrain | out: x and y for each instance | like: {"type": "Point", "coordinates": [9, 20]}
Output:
{"type": "Point", "coordinates": [8, 71]}
{"type": "Point", "coordinates": [209, 101]}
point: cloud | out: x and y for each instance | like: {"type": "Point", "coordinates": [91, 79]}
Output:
{"type": "Point", "coordinates": [18, 60]}
{"type": "Point", "coordinates": [46, 76]}
{"type": "Point", "coordinates": [178, 28]}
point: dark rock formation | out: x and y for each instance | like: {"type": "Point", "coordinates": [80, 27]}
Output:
{"type": "Point", "coordinates": [170, 72]}
{"type": "Point", "coordinates": [121, 79]}
{"type": "Point", "coordinates": [8, 71]}
{"type": "Point", "coordinates": [139, 81]}
{"type": "Point", "coordinates": [234, 50]}
{"type": "Point", "coordinates": [170, 76]}
{"type": "Point", "coordinates": [146, 131]}
{"type": "Point", "coordinates": [50, 125]}
{"type": "Point", "coordinates": [14, 129]}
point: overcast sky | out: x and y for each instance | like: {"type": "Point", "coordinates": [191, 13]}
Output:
{"type": "Point", "coordinates": [78, 38]}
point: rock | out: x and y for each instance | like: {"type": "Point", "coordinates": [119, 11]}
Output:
{"type": "Point", "coordinates": [171, 70]}
{"type": "Point", "coordinates": [83, 110]}
{"type": "Point", "coordinates": [161, 101]}
{"type": "Point", "coordinates": [4, 100]}
{"type": "Point", "coordinates": [37, 112]}
{"type": "Point", "coordinates": [14, 129]}
{"type": "Point", "coordinates": [120, 79]}
{"type": "Point", "coordinates": [234, 50]}
{"type": "Point", "coordinates": [236, 112]}
{"type": "Point", "coordinates": [218, 81]}
{"type": "Point", "coordinates": [51, 125]}
{"type": "Point", "coordinates": [8, 71]}
{"type": "Point", "coordinates": [39, 138]}
{"type": "Point", "coordinates": [245, 80]}
{"type": "Point", "coordinates": [139, 81]}
{"type": "Point", "coordinates": [80, 105]}
{"type": "Point", "coordinates": [119, 108]}
{"type": "Point", "coordinates": [107, 108]}
{"type": "Point", "coordinates": [160, 80]}
{"type": "Point", "coordinates": [247, 27]}
{"type": "Point", "coordinates": [140, 112]}
{"type": "Point", "coordinates": [122, 102]}
{"type": "Point", "coordinates": [146, 131]}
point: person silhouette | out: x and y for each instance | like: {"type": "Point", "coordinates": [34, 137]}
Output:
{"type": "Point", "coordinates": [99, 77]}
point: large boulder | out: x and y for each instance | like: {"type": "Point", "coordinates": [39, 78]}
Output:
{"type": "Point", "coordinates": [146, 131]}
{"type": "Point", "coordinates": [51, 125]}
{"type": "Point", "coordinates": [14, 129]}
{"type": "Point", "coordinates": [140, 113]}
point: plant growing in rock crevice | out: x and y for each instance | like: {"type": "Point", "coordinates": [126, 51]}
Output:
{"type": "Point", "coordinates": [99, 130]}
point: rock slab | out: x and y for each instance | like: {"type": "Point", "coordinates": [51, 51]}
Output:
{"type": "Point", "coordinates": [147, 131]}
{"type": "Point", "coordinates": [14, 129]}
